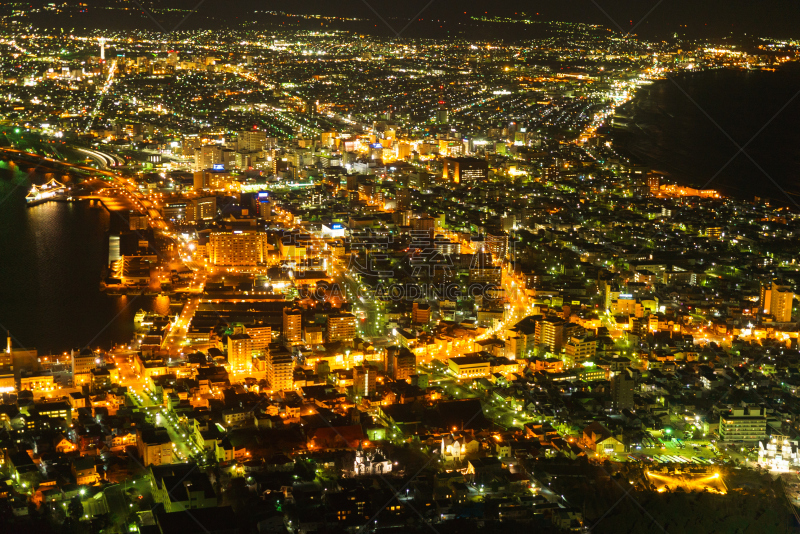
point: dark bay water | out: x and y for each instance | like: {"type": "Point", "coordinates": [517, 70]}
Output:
{"type": "Point", "coordinates": [687, 127]}
{"type": "Point", "coordinates": [52, 258]}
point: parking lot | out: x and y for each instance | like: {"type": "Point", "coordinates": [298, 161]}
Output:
{"type": "Point", "coordinates": [668, 450]}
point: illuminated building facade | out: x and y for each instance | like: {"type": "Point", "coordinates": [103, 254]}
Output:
{"type": "Point", "coordinates": [280, 366]}
{"type": "Point", "coordinates": [776, 300]}
{"type": "Point", "coordinates": [364, 380]}
{"type": "Point", "coordinates": [292, 325]}
{"type": "Point", "coordinates": [341, 327]}
{"type": "Point", "coordinates": [469, 367]}
{"type": "Point", "coordinates": [778, 454]}
{"type": "Point", "coordinates": [240, 351]}
{"type": "Point", "coordinates": [743, 424]}
{"type": "Point", "coordinates": [205, 208]}
{"type": "Point", "coordinates": [404, 364]}
{"type": "Point", "coordinates": [261, 337]}
{"type": "Point", "coordinates": [551, 334]}
{"type": "Point", "coordinates": [83, 362]}
{"type": "Point", "coordinates": [578, 350]}
{"type": "Point", "coordinates": [622, 385]}
{"type": "Point", "coordinates": [465, 170]}
{"type": "Point", "coordinates": [237, 249]}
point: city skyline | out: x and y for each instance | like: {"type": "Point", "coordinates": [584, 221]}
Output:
{"type": "Point", "coordinates": [362, 268]}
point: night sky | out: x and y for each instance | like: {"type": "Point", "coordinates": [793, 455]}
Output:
{"type": "Point", "coordinates": [711, 18]}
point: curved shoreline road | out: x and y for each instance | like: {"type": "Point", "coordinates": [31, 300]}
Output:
{"type": "Point", "coordinates": [173, 342]}
{"type": "Point", "coordinates": [103, 158]}
{"type": "Point", "coordinates": [21, 153]}
{"type": "Point", "coordinates": [125, 186]}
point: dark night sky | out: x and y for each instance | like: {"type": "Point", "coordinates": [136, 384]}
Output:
{"type": "Point", "coordinates": [713, 18]}
{"type": "Point", "coordinates": [721, 16]}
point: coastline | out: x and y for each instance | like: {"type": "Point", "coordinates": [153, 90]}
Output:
{"type": "Point", "coordinates": [56, 253]}
{"type": "Point", "coordinates": [659, 129]}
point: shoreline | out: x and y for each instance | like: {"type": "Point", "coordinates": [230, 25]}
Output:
{"type": "Point", "coordinates": [622, 137]}
{"type": "Point", "coordinates": [103, 312]}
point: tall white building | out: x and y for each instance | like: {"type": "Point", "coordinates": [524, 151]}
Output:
{"type": "Point", "coordinates": [776, 300]}
{"type": "Point", "coordinates": [240, 352]}
{"type": "Point", "coordinates": [743, 424]}
{"type": "Point", "coordinates": [206, 156]}
{"type": "Point", "coordinates": [251, 141]}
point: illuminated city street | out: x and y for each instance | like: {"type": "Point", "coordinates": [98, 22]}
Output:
{"type": "Point", "coordinates": [400, 268]}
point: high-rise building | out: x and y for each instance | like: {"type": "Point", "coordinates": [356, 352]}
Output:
{"type": "Point", "coordinates": [765, 299]}
{"type": "Point", "coordinates": [179, 211]}
{"type": "Point", "coordinates": [237, 248]}
{"type": "Point", "coordinates": [442, 115]}
{"type": "Point", "coordinates": [312, 334]}
{"type": "Point", "coordinates": [653, 183]}
{"type": "Point", "coordinates": [251, 141]}
{"type": "Point", "coordinates": [341, 327]}
{"type": "Point", "coordinates": [280, 367]}
{"type": "Point", "coordinates": [465, 170]}
{"type": "Point", "coordinates": [776, 300]}
{"type": "Point", "coordinates": [419, 179]}
{"type": "Point", "coordinates": [404, 364]}
{"type": "Point", "coordinates": [496, 244]}
{"type": "Point", "coordinates": [420, 313]}
{"type": "Point", "coordinates": [403, 197]}
{"type": "Point", "coordinates": [261, 336]}
{"type": "Point", "coordinates": [263, 204]}
{"type": "Point", "coordinates": [292, 325]}
{"type": "Point", "coordinates": [364, 380]}
{"type": "Point", "coordinates": [579, 350]}
{"type": "Point", "coordinates": [7, 381]}
{"type": "Point", "coordinates": [83, 361]}
{"type": "Point", "coordinates": [622, 390]}
{"type": "Point", "coordinates": [205, 208]}
{"type": "Point", "coordinates": [422, 224]}
{"type": "Point", "coordinates": [743, 424]}
{"type": "Point", "coordinates": [206, 156]}
{"type": "Point", "coordinates": [215, 178]}
{"type": "Point", "coordinates": [137, 221]}
{"type": "Point", "coordinates": [7, 357]}
{"type": "Point", "coordinates": [240, 352]}
{"type": "Point", "coordinates": [485, 275]}
{"type": "Point", "coordinates": [113, 248]}
{"type": "Point", "coordinates": [551, 334]}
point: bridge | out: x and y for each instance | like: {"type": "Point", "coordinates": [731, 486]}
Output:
{"type": "Point", "coordinates": [50, 162]}
{"type": "Point", "coordinates": [104, 159]}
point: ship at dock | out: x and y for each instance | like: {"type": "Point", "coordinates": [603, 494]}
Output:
{"type": "Point", "coordinates": [52, 190]}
